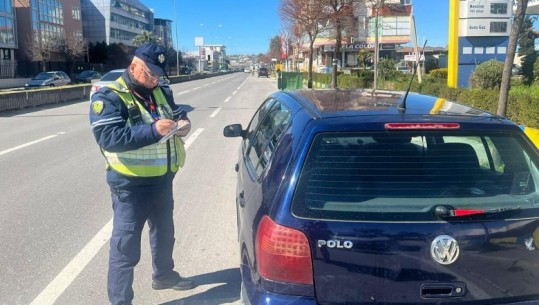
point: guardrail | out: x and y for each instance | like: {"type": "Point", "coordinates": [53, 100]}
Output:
{"type": "Point", "coordinates": [11, 100]}
{"type": "Point", "coordinates": [31, 98]}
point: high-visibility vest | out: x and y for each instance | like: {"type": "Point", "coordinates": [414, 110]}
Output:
{"type": "Point", "coordinates": [152, 160]}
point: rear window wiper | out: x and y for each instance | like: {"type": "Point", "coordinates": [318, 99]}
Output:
{"type": "Point", "coordinates": [446, 212]}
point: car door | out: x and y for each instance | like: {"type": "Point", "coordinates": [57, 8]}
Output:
{"type": "Point", "coordinates": [263, 135]}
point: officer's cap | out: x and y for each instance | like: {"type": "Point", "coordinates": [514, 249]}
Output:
{"type": "Point", "coordinates": [154, 56]}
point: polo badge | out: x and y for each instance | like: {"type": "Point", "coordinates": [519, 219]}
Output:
{"type": "Point", "coordinates": [97, 107]}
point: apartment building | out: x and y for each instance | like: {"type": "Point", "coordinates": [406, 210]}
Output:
{"type": "Point", "coordinates": [46, 27]}
{"type": "Point", "coordinates": [163, 30]}
{"type": "Point", "coordinates": [115, 21]}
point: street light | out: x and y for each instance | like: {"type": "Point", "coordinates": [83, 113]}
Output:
{"type": "Point", "coordinates": [177, 42]}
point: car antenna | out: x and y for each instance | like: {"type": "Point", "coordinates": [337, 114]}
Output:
{"type": "Point", "coordinates": [402, 106]}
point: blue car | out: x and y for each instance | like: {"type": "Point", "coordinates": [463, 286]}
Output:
{"type": "Point", "coordinates": [360, 197]}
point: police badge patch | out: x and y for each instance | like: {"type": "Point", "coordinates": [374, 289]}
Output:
{"type": "Point", "coordinates": [161, 58]}
{"type": "Point", "coordinates": [97, 107]}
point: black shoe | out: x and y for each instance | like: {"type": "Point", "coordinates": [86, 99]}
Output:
{"type": "Point", "coordinates": [177, 283]}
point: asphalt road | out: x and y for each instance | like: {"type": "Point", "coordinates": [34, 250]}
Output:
{"type": "Point", "coordinates": [55, 207]}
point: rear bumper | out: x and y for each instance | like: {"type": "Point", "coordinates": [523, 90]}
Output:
{"type": "Point", "coordinates": [259, 297]}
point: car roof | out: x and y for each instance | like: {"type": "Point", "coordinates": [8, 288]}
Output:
{"type": "Point", "coordinates": [331, 103]}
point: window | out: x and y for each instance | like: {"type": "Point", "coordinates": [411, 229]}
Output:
{"type": "Point", "coordinates": [498, 27]}
{"type": "Point", "coordinates": [498, 8]}
{"type": "Point", "coordinates": [404, 175]}
{"type": "Point", "coordinates": [75, 12]}
{"type": "Point", "coordinates": [271, 121]}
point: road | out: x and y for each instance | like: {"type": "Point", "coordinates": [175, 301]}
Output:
{"type": "Point", "coordinates": [55, 215]}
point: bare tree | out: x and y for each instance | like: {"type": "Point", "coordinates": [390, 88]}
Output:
{"type": "Point", "coordinates": [72, 48]}
{"type": "Point", "coordinates": [307, 14]}
{"type": "Point", "coordinates": [339, 14]}
{"type": "Point", "coordinates": [42, 48]}
{"type": "Point", "coordinates": [522, 5]}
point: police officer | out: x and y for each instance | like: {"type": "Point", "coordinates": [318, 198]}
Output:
{"type": "Point", "coordinates": [128, 120]}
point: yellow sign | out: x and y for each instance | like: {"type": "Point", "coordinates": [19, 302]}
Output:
{"type": "Point", "coordinates": [533, 134]}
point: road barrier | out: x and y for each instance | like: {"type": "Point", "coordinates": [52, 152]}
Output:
{"type": "Point", "coordinates": [31, 98]}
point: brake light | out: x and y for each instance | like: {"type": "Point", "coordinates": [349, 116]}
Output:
{"type": "Point", "coordinates": [283, 254]}
{"type": "Point", "coordinates": [422, 126]}
{"type": "Point", "coordinates": [466, 212]}
{"type": "Point", "coordinates": [94, 88]}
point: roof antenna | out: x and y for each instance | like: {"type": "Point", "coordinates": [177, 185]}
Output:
{"type": "Point", "coordinates": [402, 106]}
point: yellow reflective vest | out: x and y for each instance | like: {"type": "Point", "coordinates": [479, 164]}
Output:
{"type": "Point", "coordinates": [152, 160]}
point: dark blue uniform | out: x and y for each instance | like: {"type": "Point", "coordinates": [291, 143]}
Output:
{"type": "Point", "coordinates": [135, 200]}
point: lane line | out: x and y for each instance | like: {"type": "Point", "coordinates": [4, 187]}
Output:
{"type": "Point", "coordinates": [234, 92]}
{"type": "Point", "coordinates": [61, 282]}
{"type": "Point", "coordinates": [193, 137]}
{"type": "Point", "coordinates": [3, 152]}
{"type": "Point", "coordinates": [228, 99]}
{"type": "Point", "coordinates": [215, 112]}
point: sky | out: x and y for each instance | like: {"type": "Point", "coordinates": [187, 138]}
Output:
{"type": "Point", "coordinates": [247, 26]}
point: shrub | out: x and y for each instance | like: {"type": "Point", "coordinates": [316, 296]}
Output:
{"type": "Point", "coordinates": [439, 73]}
{"type": "Point", "coordinates": [487, 75]}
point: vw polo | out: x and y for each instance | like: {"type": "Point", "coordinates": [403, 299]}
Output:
{"type": "Point", "coordinates": [355, 197]}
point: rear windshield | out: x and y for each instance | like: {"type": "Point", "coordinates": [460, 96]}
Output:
{"type": "Point", "coordinates": [111, 76]}
{"type": "Point", "coordinates": [405, 176]}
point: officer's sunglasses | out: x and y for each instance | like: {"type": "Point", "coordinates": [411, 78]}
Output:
{"type": "Point", "coordinates": [150, 75]}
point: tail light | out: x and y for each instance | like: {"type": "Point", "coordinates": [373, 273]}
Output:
{"type": "Point", "coordinates": [283, 254]}
{"type": "Point", "coordinates": [94, 88]}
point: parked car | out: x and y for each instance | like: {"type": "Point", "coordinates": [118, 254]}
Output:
{"type": "Point", "coordinates": [185, 71]}
{"type": "Point", "coordinates": [113, 75]}
{"type": "Point", "coordinates": [403, 69]}
{"type": "Point", "coordinates": [263, 72]}
{"type": "Point", "coordinates": [88, 76]}
{"type": "Point", "coordinates": [516, 70]}
{"type": "Point", "coordinates": [48, 79]}
{"type": "Point", "coordinates": [355, 197]}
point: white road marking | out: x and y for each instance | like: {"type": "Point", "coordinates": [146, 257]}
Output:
{"type": "Point", "coordinates": [228, 99]}
{"type": "Point", "coordinates": [215, 112]}
{"type": "Point", "coordinates": [3, 152]}
{"type": "Point", "coordinates": [183, 92]}
{"type": "Point", "coordinates": [234, 92]}
{"type": "Point", "coordinates": [59, 284]}
{"type": "Point", "coordinates": [193, 137]}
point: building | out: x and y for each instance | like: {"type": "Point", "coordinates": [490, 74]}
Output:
{"type": "Point", "coordinates": [47, 28]}
{"type": "Point", "coordinates": [163, 29]}
{"type": "Point", "coordinates": [8, 39]}
{"type": "Point", "coordinates": [115, 21]}
{"type": "Point", "coordinates": [394, 29]}
{"type": "Point", "coordinates": [215, 56]}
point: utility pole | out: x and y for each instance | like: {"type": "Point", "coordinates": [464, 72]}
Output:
{"type": "Point", "coordinates": [377, 6]}
{"type": "Point", "coordinates": [177, 42]}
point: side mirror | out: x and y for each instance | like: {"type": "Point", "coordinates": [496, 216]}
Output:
{"type": "Point", "coordinates": [234, 130]}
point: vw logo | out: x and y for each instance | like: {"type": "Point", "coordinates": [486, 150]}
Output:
{"type": "Point", "coordinates": [444, 249]}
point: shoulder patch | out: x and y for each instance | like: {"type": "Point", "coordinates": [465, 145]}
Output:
{"type": "Point", "coordinates": [97, 107]}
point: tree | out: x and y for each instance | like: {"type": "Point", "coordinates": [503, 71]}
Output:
{"type": "Point", "coordinates": [42, 47]}
{"type": "Point", "coordinates": [308, 15]}
{"type": "Point", "coordinates": [511, 50]}
{"type": "Point", "coordinates": [527, 49]}
{"type": "Point", "coordinates": [73, 48]}
{"type": "Point", "coordinates": [145, 37]}
{"type": "Point", "coordinates": [275, 47]}
{"type": "Point", "coordinates": [338, 12]}
{"type": "Point", "coordinates": [363, 56]}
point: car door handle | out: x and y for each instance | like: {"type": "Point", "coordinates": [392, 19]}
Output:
{"type": "Point", "coordinates": [241, 199]}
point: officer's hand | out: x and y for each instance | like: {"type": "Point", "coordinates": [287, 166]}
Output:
{"type": "Point", "coordinates": [185, 129]}
{"type": "Point", "coordinates": [164, 126]}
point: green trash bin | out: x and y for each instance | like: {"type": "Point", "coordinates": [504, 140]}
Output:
{"type": "Point", "coordinates": [289, 80]}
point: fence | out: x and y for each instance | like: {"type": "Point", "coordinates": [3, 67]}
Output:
{"type": "Point", "coordinates": [32, 98]}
